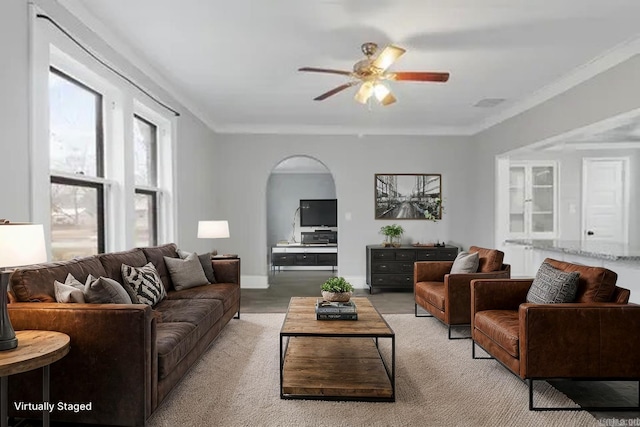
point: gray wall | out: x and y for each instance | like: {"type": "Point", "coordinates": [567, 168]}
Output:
{"type": "Point", "coordinates": [194, 150]}
{"type": "Point", "coordinates": [353, 162]}
{"type": "Point", "coordinates": [614, 92]}
{"type": "Point", "coordinates": [14, 111]}
{"type": "Point", "coordinates": [284, 191]}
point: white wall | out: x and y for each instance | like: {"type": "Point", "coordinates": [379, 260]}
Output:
{"type": "Point", "coordinates": [244, 163]}
{"type": "Point", "coordinates": [284, 191]}
{"type": "Point", "coordinates": [194, 187]}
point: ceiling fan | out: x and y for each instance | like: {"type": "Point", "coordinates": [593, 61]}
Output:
{"type": "Point", "coordinates": [371, 73]}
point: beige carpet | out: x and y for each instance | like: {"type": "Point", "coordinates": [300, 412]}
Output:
{"type": "Point", "coordinates": [236, 383]}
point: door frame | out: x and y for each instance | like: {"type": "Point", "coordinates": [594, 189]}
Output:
{"type": "Point", "coordinates": [626, 174]}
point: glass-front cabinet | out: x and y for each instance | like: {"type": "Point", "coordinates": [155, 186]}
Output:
{"type": "Point", "coordinates": [533, 200]}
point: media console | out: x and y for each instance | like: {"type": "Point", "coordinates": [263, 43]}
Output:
{"type": "Point", "coordinates": [298, 256]}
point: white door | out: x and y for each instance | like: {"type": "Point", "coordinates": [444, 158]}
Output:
{"type": "Point", "coordinates": [604, 201]}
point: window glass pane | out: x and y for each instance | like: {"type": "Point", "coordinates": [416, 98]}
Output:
{"type": "Point", "coordinates": [543, 200]}
{"type": "Point", "coordinates": [145, 219]}
{"type": "Point", "coordinates": [542, 223]}
{"type": "Point", "coordinates": [74, 114]}
{"type": "Point", "coordinates": [74, 221]}
{"type": "Point", "coordinates": [144, 139]}
{"type": "Point", "coordinates": [542, 175]}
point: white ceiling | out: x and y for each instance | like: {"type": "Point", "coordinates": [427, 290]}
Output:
{"type": "Point", "coordinates": [234, 63]}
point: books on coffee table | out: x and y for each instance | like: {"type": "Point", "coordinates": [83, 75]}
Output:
{"type": "Point", "coordinates": [328, 310]}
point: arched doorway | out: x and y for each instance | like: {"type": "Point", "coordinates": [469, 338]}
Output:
{"type": "Point", "coordinates": [291, 180]}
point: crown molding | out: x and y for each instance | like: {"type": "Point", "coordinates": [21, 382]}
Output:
{"type": "Point", "coordinates": [360, 132]}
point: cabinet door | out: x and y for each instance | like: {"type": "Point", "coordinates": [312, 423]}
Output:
{"type": "Point", "coordinates": [305, 259]}
{"type": "Point", "coordinates": [327, 259]}
{"type": "Point", "coordinates": [532, 200]}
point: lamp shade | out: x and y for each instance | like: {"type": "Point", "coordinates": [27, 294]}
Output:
{"type": "Point", "coordinates": [21, 244]}
{"type": "Point", "coordinates": [213, 229]}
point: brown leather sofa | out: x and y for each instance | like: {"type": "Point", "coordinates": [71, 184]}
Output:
{"type": "Point", "coordinates": [448, 296]}
{"type": "Point", "coordinates": [594, 337]}
{"type": "Point", "coordinates": [124, 358]}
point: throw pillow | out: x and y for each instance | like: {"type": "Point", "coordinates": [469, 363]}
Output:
{"type": "Point", "coordinates": [205, 261]}
{"type": "Point", "coordinates": [553, 286]}
{"type": "Point", "coordinates": [186, 273]}
{"type": "Point", "coordinates": [105, 291]}
{"type": "Point", "coordinates": [146, 282]}
{"type": "Point", "coordinates": [465, 262]}
{"type": "Point", "coordinates": [69, 291]}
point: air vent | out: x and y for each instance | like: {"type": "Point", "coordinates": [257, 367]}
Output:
{"type": "Point", "coordinates": [489, 102]}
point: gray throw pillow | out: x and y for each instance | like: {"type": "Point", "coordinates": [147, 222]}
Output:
{"type": "Point", "coordinates": [553, 286]}
{"type": "Point", "coordinates": [205, 261]}
{"type": "Point", "coordinates": [105, 291]}
{"type": "Point", "coordinates": [146, 282]}
{"type": "Point", "coordinates": [186, 273]}
{"type": "Point", "coordinates": [69, 291]}
{"type": "Point", "coordinates": [465, 262]}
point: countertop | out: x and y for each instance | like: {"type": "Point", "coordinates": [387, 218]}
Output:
{"type": "Point", "coordinates": [602, 250]}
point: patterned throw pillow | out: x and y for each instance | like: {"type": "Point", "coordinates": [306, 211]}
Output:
{"type": "Point", "coordinates": [146, 282]}
{"type": "Point", "coordinates": [465, 262]}
{"type": "Point", "coordinates": [553, 286]}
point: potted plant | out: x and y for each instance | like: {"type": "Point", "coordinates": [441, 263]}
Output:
{"type": "Point", "coordinates": [393, 233]}
{"type": "Point", "coordinates": [336, 289]}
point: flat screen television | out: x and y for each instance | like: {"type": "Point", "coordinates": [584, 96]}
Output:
{"type": "Point", "coordinates": [319, 213]}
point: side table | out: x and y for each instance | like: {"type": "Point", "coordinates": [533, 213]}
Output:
{"type": "Point", "coordinates": [36, 349]}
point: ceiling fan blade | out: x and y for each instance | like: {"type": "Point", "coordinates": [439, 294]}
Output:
{"type": "Point", "coordinates": [325, 70]}
{"type": "Point", "coordinates": [334, 91]}
{"type": "Point", "coordinates": [420, 76]}
{"type": "Point", "coordinates": [387, 57]}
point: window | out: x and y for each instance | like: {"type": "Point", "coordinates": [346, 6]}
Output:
{"type": "Point", "coordinates": [76, 167]}
{"type": "Point", "coordinates": [145, 140]}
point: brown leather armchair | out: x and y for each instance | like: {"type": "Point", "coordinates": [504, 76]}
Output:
{"type": "Point", "coordinates": [595, 337]}
{"type": "Point", "coordinates": [448, 296]}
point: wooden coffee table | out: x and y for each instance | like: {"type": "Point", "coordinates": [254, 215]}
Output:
{"type": "Point", "coordinates": [335, 359]}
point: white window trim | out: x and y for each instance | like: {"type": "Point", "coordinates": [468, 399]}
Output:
{"type": "Point", "coordinates": [51, 48]}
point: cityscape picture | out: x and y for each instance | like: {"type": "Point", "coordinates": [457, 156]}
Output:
{"type": "Point", "coordinates": [408, 196]}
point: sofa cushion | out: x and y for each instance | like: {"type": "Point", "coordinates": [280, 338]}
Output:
{"type": "Point", "coordinates": [105, 291]}
{"type": "Point", "coordinates": [34, 283]}
{"type": "Point", "coordinates": [112, 263]}
{"type": "Point", "coordinates": [205, 261]}
{"type": "Point", "coordinates": [184, 323]}
{"type": "Point", "coordinates": [146, 282]}
{"type": "Point", "coordinates": [432, 292]}
{"type": "Point", "coordinates": [502, 327]}
{"type": "Point", "coordinates": [227, 293]}
{"type": "Point", "coordinates": [156, 256]}
{"type": "Point", "coordinates": [552, 286]}
{"type": "Point", "coordinates": [186, 273]}
{"type": "Point", "coordinates": [595, 284]}
{"type": "Point", "coordinates": [465, 262]}
{"type": "Point", "coordinates": [489, 259]}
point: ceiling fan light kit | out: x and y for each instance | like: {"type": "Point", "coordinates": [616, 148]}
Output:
{"type": "Point", "coordinates": [372, 71]}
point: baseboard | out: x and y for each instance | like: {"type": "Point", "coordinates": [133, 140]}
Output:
{"type": "Point", "coordinates": [254, 282]}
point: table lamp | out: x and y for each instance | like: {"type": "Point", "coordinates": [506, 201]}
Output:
{"type": "Point", "coordinates": [213, 230]}
{"type": "Point", "coordinates": [20, 244]}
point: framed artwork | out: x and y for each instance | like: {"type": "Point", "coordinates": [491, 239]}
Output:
{"type": "Point", "coordinates": [408, 196]}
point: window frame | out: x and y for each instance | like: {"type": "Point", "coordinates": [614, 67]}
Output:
{"type": "Point", "coordinates": [100, 208]}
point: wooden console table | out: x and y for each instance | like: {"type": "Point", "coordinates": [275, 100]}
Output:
{"type": "Point", "coordinates": [304, 256]}
{"type": "Point", "coordinates": [36, 349]}
{"type": "Point", "coordinates": [389, 267]}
